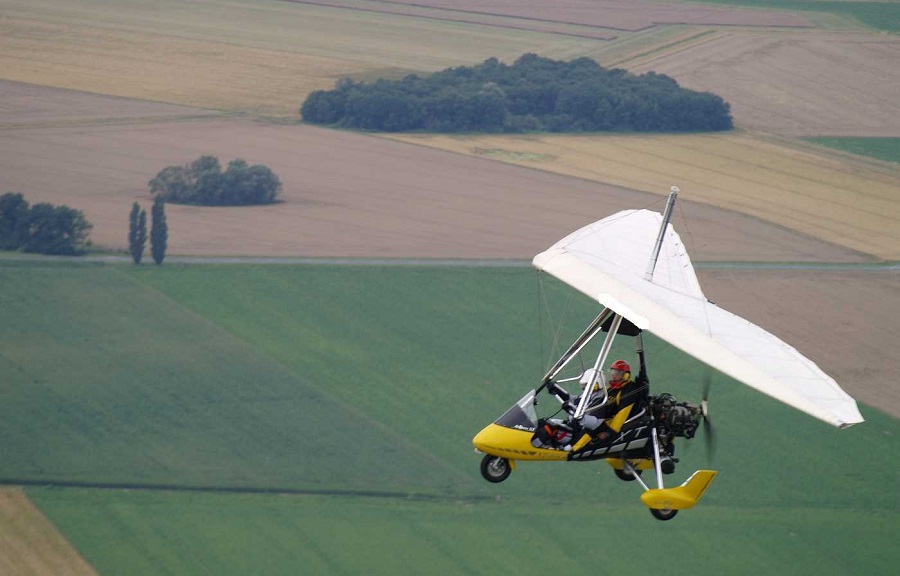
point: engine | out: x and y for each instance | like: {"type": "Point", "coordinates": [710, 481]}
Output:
{"type": "Point", "coordinates": [675, 419]}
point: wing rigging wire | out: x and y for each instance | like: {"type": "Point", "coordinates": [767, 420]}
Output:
{"type": "Point", "coordinates": [543, 302]}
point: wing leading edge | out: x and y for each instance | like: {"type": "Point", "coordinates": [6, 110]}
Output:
{"type": "Point", "coordinates": [607, 261]}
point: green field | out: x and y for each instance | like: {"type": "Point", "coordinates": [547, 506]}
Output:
{"type": "Point", "coordinates": [882, 148]}
{"type": "Point", "coordinates": [341, 401]}
{"type": "Point", "coordinates": [880, 15]}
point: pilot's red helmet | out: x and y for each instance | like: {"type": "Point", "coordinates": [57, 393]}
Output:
{"type": "Point", "coordinates": [619, 373]}
{"type": "Point", "coordinates": [621, 365]}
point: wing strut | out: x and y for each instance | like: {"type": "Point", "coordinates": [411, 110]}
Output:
{"type": "Point", "coordinates": [601, 360]}
{"type": "Point", "coordinates": [576, 347]}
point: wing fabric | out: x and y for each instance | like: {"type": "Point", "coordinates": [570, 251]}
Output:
{"type": "Point", "coordinates": [608, 261]}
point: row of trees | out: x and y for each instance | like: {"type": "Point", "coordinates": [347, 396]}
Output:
{"type": "Point", "coordinates": [159, 231]}
{"type": "Point", "coordinates": [203, 182]}
{"type": "Point", "coordinates": [42, 228]}
{"type": "Point", "coordinates": [533, 94]}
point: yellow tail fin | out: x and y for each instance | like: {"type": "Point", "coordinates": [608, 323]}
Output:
{"type": "Point", "coordinates": [681, 498]}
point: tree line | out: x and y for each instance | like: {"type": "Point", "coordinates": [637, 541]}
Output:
{"type": "Point", "coordinates": [42, 228]}
{"type": "Point", "coordinates": [534, 94]}
{"type": "Point", "coordinates": [203, 182]}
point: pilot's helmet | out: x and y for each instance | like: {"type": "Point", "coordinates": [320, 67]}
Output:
{"type": "Point", "coordinates": [619, 373]}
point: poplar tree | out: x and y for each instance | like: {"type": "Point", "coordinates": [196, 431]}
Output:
{"type": "Point", "coordinates": [159, 230]}
{"type": "Point", "coordinates": [137, 233]}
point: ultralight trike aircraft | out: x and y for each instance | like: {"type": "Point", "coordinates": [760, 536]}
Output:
{"type": "Point", "coordinates": [635, 266]}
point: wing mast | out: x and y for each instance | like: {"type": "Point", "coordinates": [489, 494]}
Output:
{"type": "Point", "coordinates": [667, 215]}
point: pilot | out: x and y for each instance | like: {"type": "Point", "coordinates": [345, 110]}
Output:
{"type": "Point", "coordinates": [603, 421]}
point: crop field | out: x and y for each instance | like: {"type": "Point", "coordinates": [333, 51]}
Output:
{"type": "Point", "coordinates": [309, 382]}
{"type": "Point", "coordinates": [258, 56]}
{"type": "Point", "coordinates": [802, 189]}
{"type": "Point", "coordinates": [30, 545]}
{"type": "Point", "coordinates": [882, 148]}
{"type": "Point", "coordinates": [317, 418]}
{"type": "Point", "coordinates": [158, 532]}
{"type": "Point", "coordinates": [878, 14]}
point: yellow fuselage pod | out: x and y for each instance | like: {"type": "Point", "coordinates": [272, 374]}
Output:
{"type": "Point", "coordinates": [681, 498]}
{"type": "Point", "coordinates": [513, 444]}
{"type": "Point", "coordinates": [641, 464]}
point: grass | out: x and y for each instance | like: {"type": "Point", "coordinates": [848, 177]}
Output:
{"type": "Point", "coordinates": [108, 381]}
{"type": "Point", "coordinates": [887, 149]}
{"type": "Point", "coordinates": [341, 380]}
{"type": "Point", "coordinates": [169, 533]}
{"type": "Point", "coordinates": [878, 15]}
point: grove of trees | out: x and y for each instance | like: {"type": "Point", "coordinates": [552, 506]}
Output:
{"type": "Point", "coordinates": [534, 94]}
{"type": "Point", "coordinates": [42, 228]}
{"type": "Point", "coordinates": [203, 182]}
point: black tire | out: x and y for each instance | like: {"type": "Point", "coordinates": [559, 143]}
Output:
{"type": "Point", "coordinates": [495, 469]}
{"type": "Point", "coordinates": [665, 514]}
{"type": "Point", "coordinates": [625, 475]}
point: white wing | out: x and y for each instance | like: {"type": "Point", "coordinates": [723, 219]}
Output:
{"type": "Point", "coordinates": [608, 260]}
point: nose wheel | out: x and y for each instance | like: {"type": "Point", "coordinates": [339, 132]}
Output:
{"type": "Point", "coordinates": [494, 468]}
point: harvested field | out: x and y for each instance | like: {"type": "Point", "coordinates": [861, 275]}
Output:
{"type": "Point", "coordinates": [847, 321]}
{"type": "Point", "coordinates": [847, 201]}
{"type": "Point", "coordinates": [778, 79]}
{"type": "Point", "coordinates": [30, 545]}
{"type": "Point", "coordinates": [627, 15]}
{"type": "Point", "coordinates": [351, 195]}
{"type": "Point", "coordinates": [810, 83]}
{"type": "Point", "coordinates": [255, 57]}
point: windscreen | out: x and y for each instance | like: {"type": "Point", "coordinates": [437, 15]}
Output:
{"type": "Point", "coordinates": [521, 415]}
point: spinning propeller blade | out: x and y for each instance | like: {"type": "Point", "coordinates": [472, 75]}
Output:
{"type": "Point", "coordinates": [707, 421]}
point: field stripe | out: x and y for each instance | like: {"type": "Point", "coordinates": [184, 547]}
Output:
{"type": "Point", "coordinates": [31, 545]}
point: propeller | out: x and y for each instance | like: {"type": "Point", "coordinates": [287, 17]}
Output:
{"type": "Point", "coordinates": [708, 433]}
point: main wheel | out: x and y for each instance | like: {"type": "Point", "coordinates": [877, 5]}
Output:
{"type": "Point", "coordinates": [625, 475]}
{"type": "Point", "coordinates": [494, 468]}
{"type": "Point", "coordinates": [664, 514]}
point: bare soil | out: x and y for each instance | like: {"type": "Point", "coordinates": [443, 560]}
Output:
{"type": "Point", "coordinates": [848, 322]}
